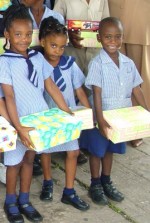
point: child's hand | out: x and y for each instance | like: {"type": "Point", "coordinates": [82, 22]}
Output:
{"type": "Point", "coordinates": [24, 136]}
{"type": "Point", "coordinates": [103, 127]}
{"type": "Point", "coordinates": [75, 38]}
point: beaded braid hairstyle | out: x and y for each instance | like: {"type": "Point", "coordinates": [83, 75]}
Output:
{"type": "Point", "coordinates": [15, 12]}
{"type": "Point", "coordinates": [51, 26]}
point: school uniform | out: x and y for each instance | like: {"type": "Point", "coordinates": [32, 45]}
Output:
{"type": "Point", "coordinates": [136, 35]}
{"type": "Point", "coordinates": [48, 12]}
{"type": "Point", "coordinates": [73, 79]}
{"type": "Point", "coordinates": [116, 84]}
{"type": "Point", "coordinates": [26, 76]}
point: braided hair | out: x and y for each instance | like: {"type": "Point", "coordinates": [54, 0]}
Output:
{"type": "Point", "coordinates": [50, 26]}
{"type": "Point", "coordinates": [15, 12]}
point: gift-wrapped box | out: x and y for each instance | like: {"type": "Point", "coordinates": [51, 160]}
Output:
{"type": "Point", "coordinates": [88, 30]}
{"type": "Point", "coordinates": [4, 4]}
{"type": "Point", "coordinates": [86, 116]}
{"type": "Point", "coordinates": [52, 127]}
{"type": "Point", "coordinates": [128, 124]}
{"type": "Point", "coordinates": [8, 136]}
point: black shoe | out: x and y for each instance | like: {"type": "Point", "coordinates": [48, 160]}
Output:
{"type": "Point", "coordinates": [37, 159]}
{"type": "Point", "coordinates": [37, 170]}
{"type": "Point", "coordinates": [75, 201]}
{"type": "Point", "coordinates": [33, 216]}
{"type": "Point", "coordinates": [112, 193]}
{"type": "Point", "coordinates": [13, 218]}
{"type": "Point", "coordinates": [47, 193]}
{"type": "Point", "coordinates": [97, 194]}
{"type": "Point", "coordinates": [81, 158]}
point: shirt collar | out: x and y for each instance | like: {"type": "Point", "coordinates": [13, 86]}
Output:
{"type": "Point", "coordinates": [104, 57]}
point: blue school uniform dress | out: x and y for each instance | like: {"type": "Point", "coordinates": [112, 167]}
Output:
{"type": "Point", "coordinates": [26, 76]}
{"type": "Point", "coordinates": [47, 12]}
{"type": "Point", "coordinates": [117, 84]}
{"type": "Point", "coordinates": [68, 77]}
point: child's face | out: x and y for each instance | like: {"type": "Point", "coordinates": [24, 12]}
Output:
{"type": "Point", "coordinates": [111, 37]}
{"type": "Point", "coordinates": [19, 35]}
{"type": "Point", "coordinates": [54, 46]}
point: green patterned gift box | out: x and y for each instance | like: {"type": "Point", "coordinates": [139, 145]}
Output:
{"type": "Point", "coordinates": [128, 124]}
{"type": "Point", "coordinates": [52, 127]}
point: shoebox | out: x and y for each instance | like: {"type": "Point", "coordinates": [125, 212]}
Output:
{"type": "Point", "coordinates": [2, 42]}
{"type": "Point", "coordinates": [8, 136]}
{"type": "Point", "coordinates": [85, 115]}
{"type": "Point", "coordinates": [128, 124]}
{"type": "Point", "coordinates": [52, 127]}
{"type": "Point", "coordinates": [87, 29]}
{"type": "Point", "coordinates": [35, 38]}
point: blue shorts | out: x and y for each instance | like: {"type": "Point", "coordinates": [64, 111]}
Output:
{"type": "Point", "coordinates": [98, 145]}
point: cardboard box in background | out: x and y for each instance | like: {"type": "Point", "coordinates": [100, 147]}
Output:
{"type": "Point", "coordinates": [2, 42]}
{"type": "Point", "coordinates": [52, 127]}
{"type": "Point", "coordinates": [86, 116]}
{"type": "Point", "coordinates": [35, 38]}
{"type": "Point", "coordinates": [128, 124]}
{"type": "Point", "coordinates": [88, 30]}
{"type": "Point", "coordinates": [8, 136]}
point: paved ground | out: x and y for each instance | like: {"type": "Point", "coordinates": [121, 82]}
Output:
{"type": "Point", "coordinates": [131, 173]}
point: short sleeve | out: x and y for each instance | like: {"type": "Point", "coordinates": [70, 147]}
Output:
{"type": "Point", "coordinates": [94, 77]}
{"type": "Point", "coordinates": [5, 72]}
{"type": "Point", "coordinates": [77, 76]}
{"type": "Point", "coordinates": [137, 80]}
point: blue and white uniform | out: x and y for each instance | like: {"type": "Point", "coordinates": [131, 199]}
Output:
{"type": "Point", "coordinates": [15, 71]}
{"type": "Point", "coordinates": [48, 12]}
{"type": "Point", "coordinates": [117, 84]}
{"type": "Point", "coordinates": [73, 79]}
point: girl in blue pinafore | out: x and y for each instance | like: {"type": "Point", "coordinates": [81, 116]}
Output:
{"type": "Point", "coordinates": [69, 78]}
{"type": "Point", "coordinates": [23, 75]}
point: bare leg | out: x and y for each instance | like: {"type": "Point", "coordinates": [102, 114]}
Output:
{"type": "Point", "coordinates": [26, 171]}
{"type": "Point", "coordinates": [107, 161]}
{"type": "Point", "coordinates": [46, 166]}
{"type": "Point", "coordinates": [70, 167]}
{"type": "Point", "coordinates": [12, 173]}
{"type": "Point", "coordinates": [95, 166]}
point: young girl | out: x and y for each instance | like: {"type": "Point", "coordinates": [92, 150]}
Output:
{"type": "Point", "coordinates": [24, 74]}
{"type": "Point", "coordinates": [113, 78]}
{"type": "Point", "coordinates": [69, 78]}
{"type": "Point", "coordinates": [39, 11]}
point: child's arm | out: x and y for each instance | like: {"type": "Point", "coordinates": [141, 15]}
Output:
{"type": "Point", "coordinates": [82, 97]}
{"type": "Point", "coordinates": [102, 124]}
{"type": "Point", "coordinates": [139, 97]}
{"type": "Point", "coordinates": [3, 110]}
{"type": "Point", "coordinates": [57, 96]}
{"type": "Point", "coordinates": [12, 112]}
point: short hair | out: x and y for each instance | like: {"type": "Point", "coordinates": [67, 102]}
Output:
{"type": "Point", "coordinates": [110, 20]}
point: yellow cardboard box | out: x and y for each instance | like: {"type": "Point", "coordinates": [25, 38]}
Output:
{"type": "Point", "coordinates": [128, 124]}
